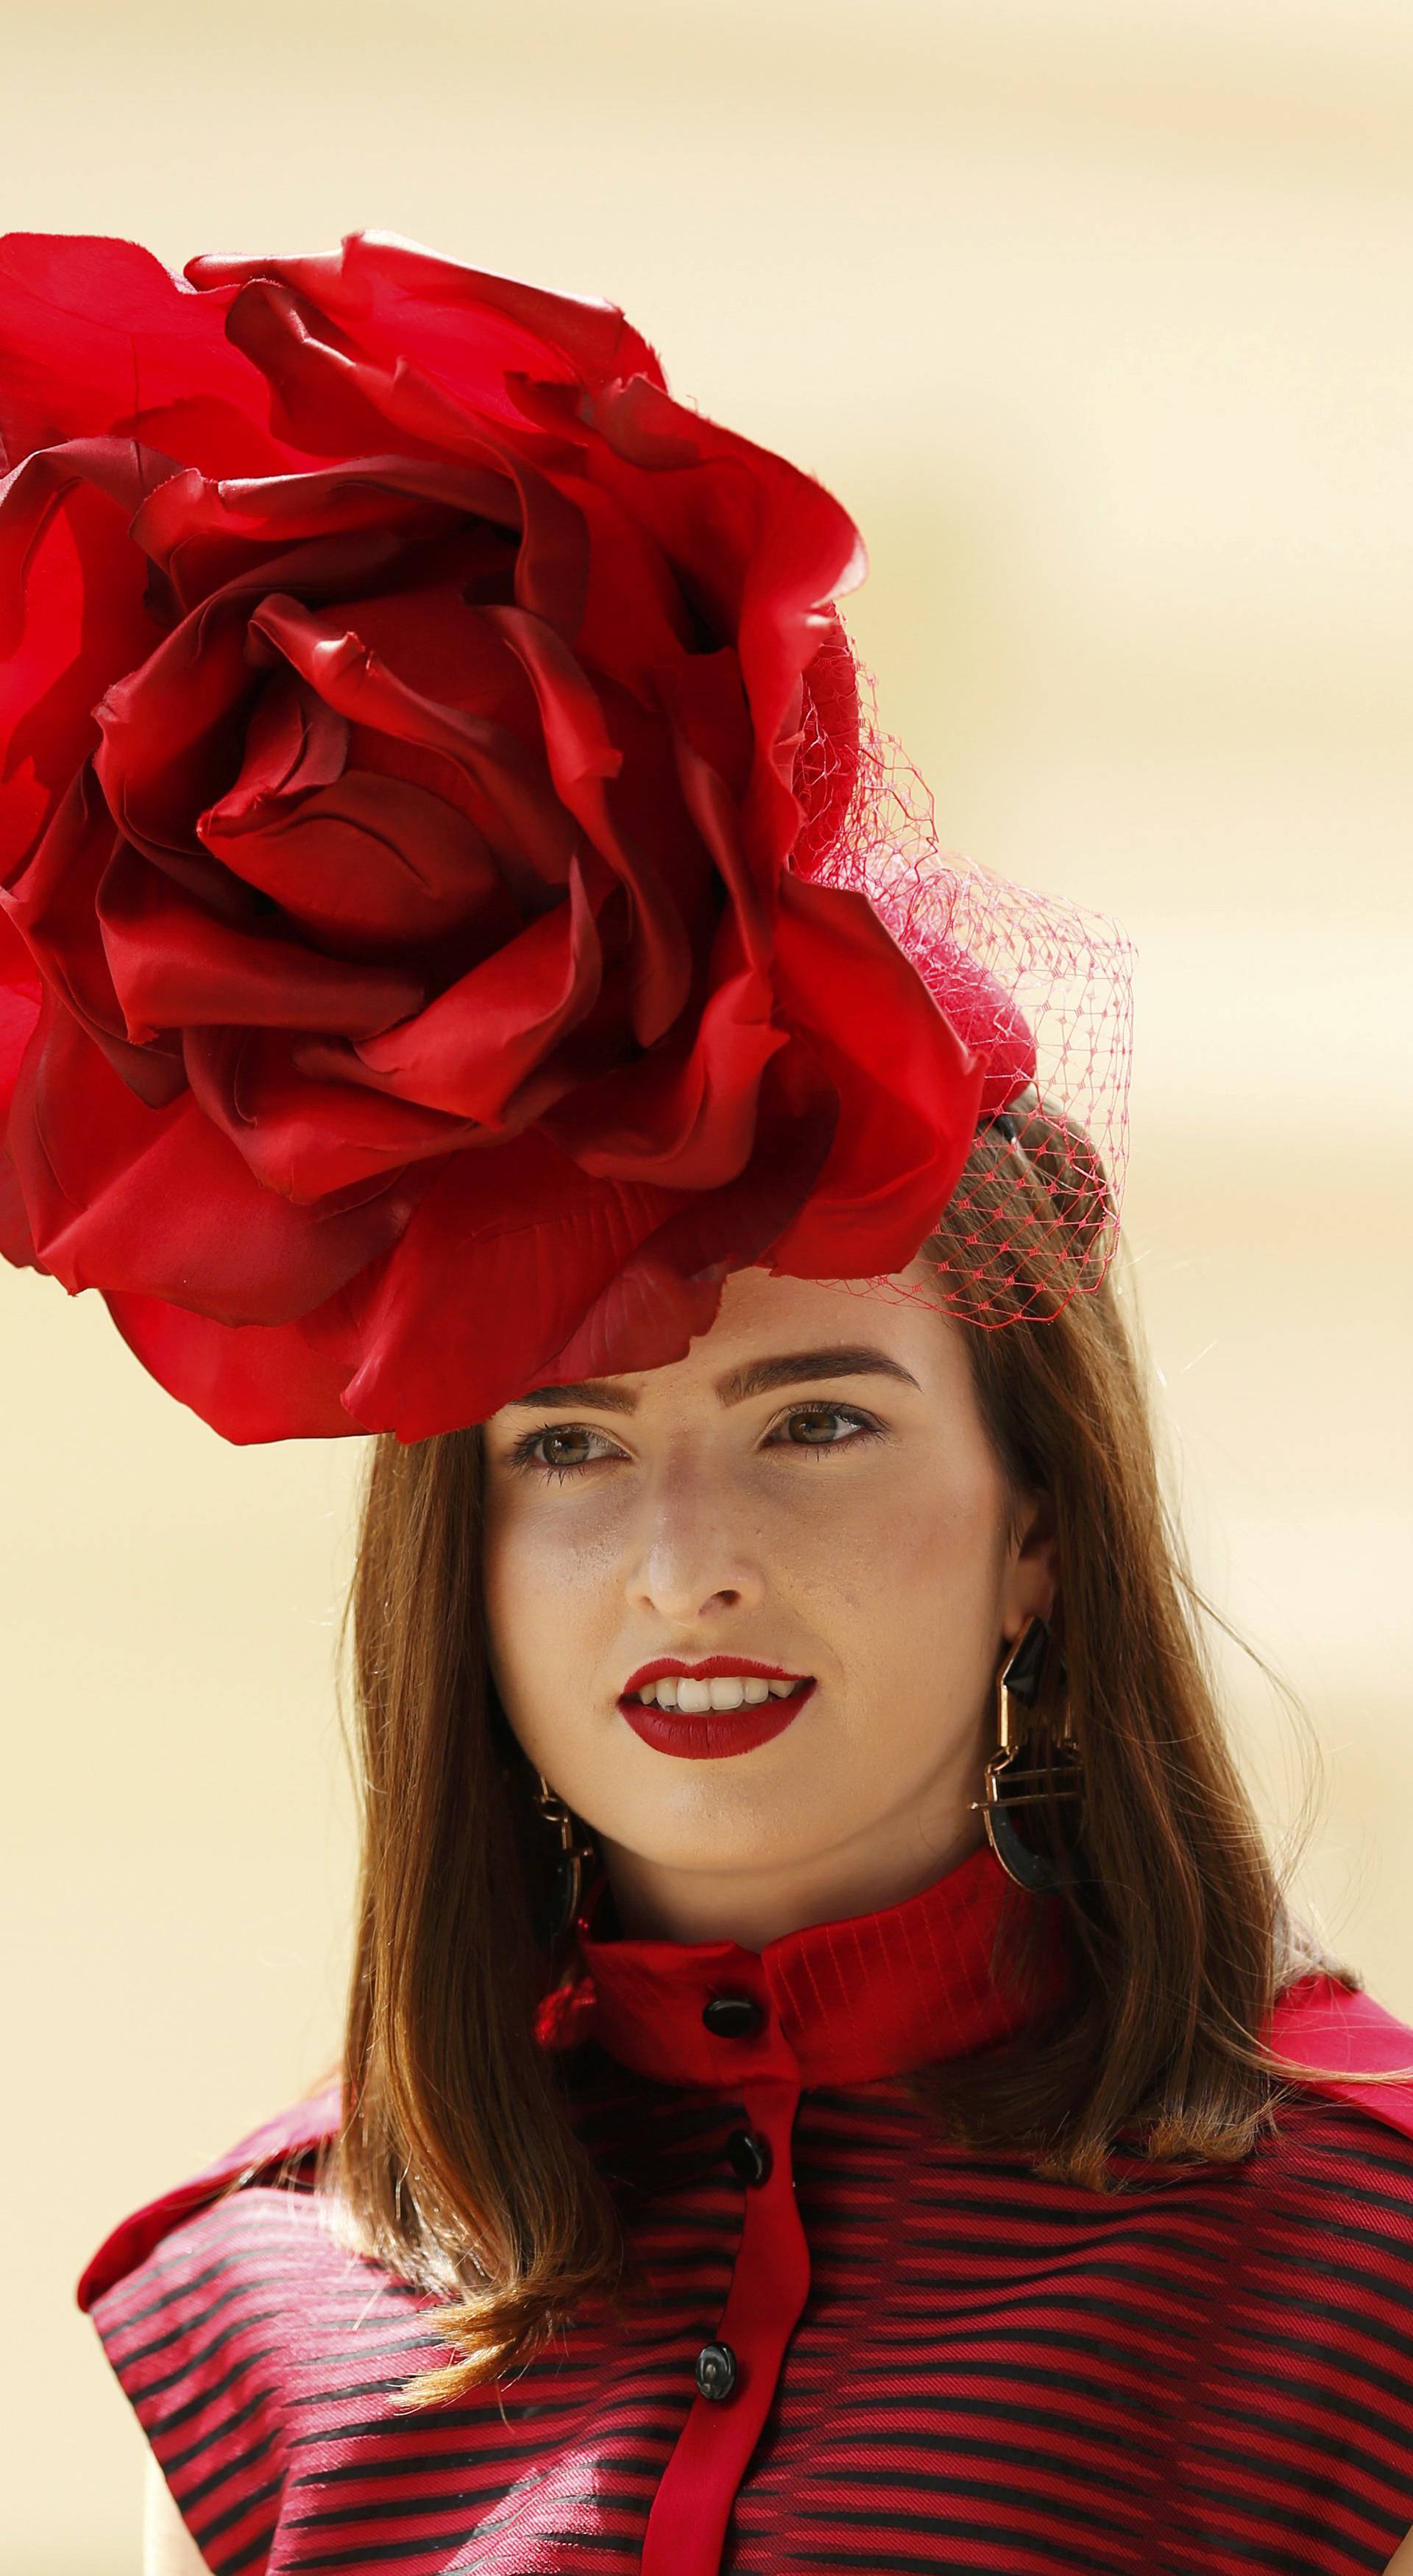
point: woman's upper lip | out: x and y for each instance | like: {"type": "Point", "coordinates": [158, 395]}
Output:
{"type": "Point", "coordinates": [710, 1668]}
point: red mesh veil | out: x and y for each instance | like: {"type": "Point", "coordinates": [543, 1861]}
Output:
{"type": "Point", "coordinates": [1045, 986]}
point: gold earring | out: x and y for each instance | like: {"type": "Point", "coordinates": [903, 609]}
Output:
{"type": "Point", "coordinates": [571, 1861]}
{"type": "Point", "coordinates": [1035, 1777]}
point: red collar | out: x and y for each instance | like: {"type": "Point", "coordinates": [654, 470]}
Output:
{"type": "Point", "coordinates": [846, 2002]}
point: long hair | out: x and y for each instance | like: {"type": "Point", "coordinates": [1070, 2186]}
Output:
{"type": "Point", "coordinates": [458, 2166]}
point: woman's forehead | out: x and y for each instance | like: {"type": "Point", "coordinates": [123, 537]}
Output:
{"type": "Point", "coordinates": [893, 1313]}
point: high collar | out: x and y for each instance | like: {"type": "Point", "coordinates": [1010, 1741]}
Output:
{"type": "Point", "coordinates": [843, 2002]}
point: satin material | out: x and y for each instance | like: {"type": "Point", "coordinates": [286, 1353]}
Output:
{"type": "Point", "coordinates": [431, 947]}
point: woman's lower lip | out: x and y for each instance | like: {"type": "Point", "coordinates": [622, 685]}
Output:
{"type": "Point", "coordinates": [716, 1731]}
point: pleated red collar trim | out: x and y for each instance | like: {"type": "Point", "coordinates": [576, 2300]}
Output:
{"type": "Point", "coordinates": [844, 2002]}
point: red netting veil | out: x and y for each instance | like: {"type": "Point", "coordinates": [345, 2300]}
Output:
{"type": "Point", "coordinates": [457, 902]}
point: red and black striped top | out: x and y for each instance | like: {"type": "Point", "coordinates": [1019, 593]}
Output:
{"type": "Point", "coordinates": [857, 2349]}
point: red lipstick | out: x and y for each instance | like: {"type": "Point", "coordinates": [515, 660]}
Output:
{"type": "Point", "coordinates": [707, 1735]}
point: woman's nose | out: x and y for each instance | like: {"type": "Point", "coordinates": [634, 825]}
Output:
{"type": "Point", "coordinates": [694, 1561]}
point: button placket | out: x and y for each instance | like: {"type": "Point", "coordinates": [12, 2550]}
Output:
{"type": "Point", "coordinates": [737, 2370]}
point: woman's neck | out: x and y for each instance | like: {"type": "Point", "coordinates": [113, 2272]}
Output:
{"type": "Point", "coordinates": [652, 1900]}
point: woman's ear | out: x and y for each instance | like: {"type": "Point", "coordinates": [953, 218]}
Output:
{"type": "Point", "coordinates": [1031, 1578]}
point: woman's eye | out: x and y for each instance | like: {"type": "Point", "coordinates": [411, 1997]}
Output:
{"type": "Point", "coordinates": [563, 1445]}
{"type": "Point", "coordinates": [821, 1426]}
{"type": "Point", "coordinates": [562, 1448]}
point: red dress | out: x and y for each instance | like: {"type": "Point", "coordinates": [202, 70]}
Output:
{"type": "Point", "coordinates": [863, 2352]}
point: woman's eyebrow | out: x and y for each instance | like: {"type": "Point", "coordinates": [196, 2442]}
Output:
{"type": "Point", "coordinates": [758, 1377]}
{"type": "Point", "coordinates": [797, 1368]}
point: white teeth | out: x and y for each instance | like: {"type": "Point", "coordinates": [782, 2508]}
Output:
{"type": "Point", "coordinates": [724, 1691]}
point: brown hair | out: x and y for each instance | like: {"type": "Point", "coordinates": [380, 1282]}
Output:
{"type": "Point", "coordinates": [458, 2166]}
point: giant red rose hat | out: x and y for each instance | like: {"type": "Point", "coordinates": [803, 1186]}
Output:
{"type": "Point", "coordinates": [457, 904]}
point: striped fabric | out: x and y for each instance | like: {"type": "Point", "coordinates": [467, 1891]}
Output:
{"type": "Point", "coordinates": [940, 2361]}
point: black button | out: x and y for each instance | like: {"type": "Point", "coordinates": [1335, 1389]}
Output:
{"type": "Point", "coordinates": [733, 2016]}
{"type": "Point", "coordinates": [716, 2370]}
{"type": "Point", "coordinates": [748, 2154]}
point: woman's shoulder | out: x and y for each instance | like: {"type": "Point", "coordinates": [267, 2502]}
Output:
{"type": "Point", "coordinates": [278, 2154]}
{"type": "Point", "coordinates": [228, 2307]}
{"type": "Point", "coordinates": [1341, 2159]}
{"type": "Point", "coordinates": [1334, 2038]}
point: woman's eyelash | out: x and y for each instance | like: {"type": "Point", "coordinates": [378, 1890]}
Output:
{"type": "Point", "coordinates": [523, 1454]}
{"type": "Point", "coordinates": [863, 1426]}
{"type": "Point", "coordinates": [860, 1428]}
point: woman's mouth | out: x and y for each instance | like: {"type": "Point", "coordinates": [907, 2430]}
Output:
{"type": "Point", "coordinates": [723, 1704]}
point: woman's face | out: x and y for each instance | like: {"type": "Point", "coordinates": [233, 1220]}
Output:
{"type": "Point", "coordinates": [802, 1521]}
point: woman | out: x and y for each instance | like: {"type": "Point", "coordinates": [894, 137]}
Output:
{"type": "Point", "coordinates": [830, 2078]}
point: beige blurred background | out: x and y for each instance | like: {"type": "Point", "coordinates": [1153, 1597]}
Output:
{"type": "Point", "coordinates": [1096, 314]}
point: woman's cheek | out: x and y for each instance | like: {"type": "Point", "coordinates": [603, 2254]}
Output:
{"type": "Point", "coordinates": [549, 1574]}
{"type": "Point", "coordinates": [929, 1564]}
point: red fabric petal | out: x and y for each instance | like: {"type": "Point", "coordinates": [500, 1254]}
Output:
{"type": "Point", "coordinates": [644, 1317]}
{"type": "Point", "coordinates": [524, 822]}
{"type": "Point", "coordinates": [334, 399]}
{"type": "Point", "coordinates": [16, 1239]}
{"type": "Point", "coordinates": [470, 1051]}
{"type": "Point", "coordinates": [120, 1196]}
{"type": "Point", "coordinates": [173, 966]}
{"type": "Point", "coordinates": [908, 1089]}
{"type": "Point", "coordinates": [448, 653]}
{"type": "Point", "coordinates": [764, 550]}
{"type": "Point", "coordinates": [54, 481]}
{"type": "Point", "coordinates": [539, 1239]}
{"type": "Point", "coordinates": [702, 698]}
{"type": "Point", "coordinates": [73, 614]}
{"type": "Point", "coordinates": [19, 1006]}
{"type": "Point", "coordinates": [636, 622]}
{"type": "Point", "coordinates": [171, 729]}
{"type": "Point", "coordinates": [205, 533]}
{"type": "Point", "coordinates": [552, 565]}
{"type": "Point", "coordinates": [371, 867]}
{"type": "Point", "coordinates": [250, 1382]}
{"type": "Point", "coordinates": [668, 1291]}
{"type": "Point", "coordinates": [54, 903]}
{"type": "Point", "coordinates": [687, 1120]}
{"type": "Point", "coordinates": [306, 1138]}
{"type": "Point", "coordinates": [19, 1017]}
{"type": "Point", "coordinates": [95, 335]}
{"type": "Point", "coordinates": [583, 757]}
{"type": "Point", "coordinates": [466, 326]}
{"type": "Point", "coordinates": [293, 745]}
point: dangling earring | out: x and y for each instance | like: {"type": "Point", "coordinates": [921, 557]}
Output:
{"type": "Point", "coordinates": [570, 1864]}
{"type": "Point", "coordinates": [1039, 1770]}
